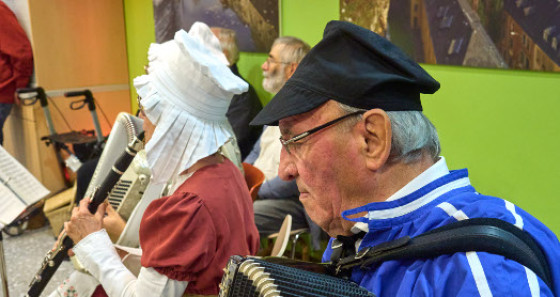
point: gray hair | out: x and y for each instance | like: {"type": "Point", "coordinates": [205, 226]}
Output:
{"type": "Point", "coordinates": [228, 42]}
{"type": "Point", "coordinates": [295, 49]}
{"type": "Point", "coordinates": [412, 135]}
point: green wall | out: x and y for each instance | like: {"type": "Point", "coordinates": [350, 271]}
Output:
{"type": "Point", "coordinates": [140, 32]}
{"type": "Point", "coordinates": [503, 125]}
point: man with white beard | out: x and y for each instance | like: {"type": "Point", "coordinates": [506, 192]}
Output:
{"type": "Point", "coordinates": [282, 61]}
{"type": "Point", "coordinates": [277, 198]}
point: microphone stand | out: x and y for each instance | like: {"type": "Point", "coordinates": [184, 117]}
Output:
{"type": "Point", "coordinates": [3, 274]}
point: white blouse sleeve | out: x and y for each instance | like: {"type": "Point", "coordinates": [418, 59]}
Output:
{"type": "Point", "coordinates": [99, 257]}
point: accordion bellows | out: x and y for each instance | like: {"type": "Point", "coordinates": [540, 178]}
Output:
{"type": "Point", "coordinates": [257, 277]}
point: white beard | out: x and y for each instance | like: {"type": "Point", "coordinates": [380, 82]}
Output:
{"type": "Point", "coordinates": [273, 82]}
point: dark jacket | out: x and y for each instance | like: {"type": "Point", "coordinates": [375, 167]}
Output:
{"type": "Point", "coordinates": [242, 110]}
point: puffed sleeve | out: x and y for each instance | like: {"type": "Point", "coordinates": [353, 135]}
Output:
{"type": "Point", "coordinates": [177, 236]}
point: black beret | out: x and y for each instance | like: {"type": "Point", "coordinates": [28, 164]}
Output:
{"type": "Point", "coordinates": [356, 67]}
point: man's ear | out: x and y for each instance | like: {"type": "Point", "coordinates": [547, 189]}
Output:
{"type": "Point", "coordinates": [376, 136]}
{"type": "Point", "coordinates": [290, 69]}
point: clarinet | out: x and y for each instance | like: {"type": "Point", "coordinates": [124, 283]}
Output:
{"type": "Point", "coordinates": [54, 257]}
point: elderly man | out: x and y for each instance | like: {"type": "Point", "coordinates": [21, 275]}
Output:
{"type": "Point", "coordinates": [277, 198]}
{"type": "Point", "coordinates": [366, 161]}
{"type": "Point", "coordinates": [188, 236]}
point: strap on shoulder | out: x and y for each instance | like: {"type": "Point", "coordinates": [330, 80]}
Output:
{"type": "Point", "coordinates": [478, 234]}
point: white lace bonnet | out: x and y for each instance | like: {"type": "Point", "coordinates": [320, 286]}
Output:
{"type": "Point", "coordinates": [186, 95]}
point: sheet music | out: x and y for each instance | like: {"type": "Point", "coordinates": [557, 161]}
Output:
{"type": "Point", "coordinates": [10, 206]}
{"type": "Point", "coordinates": [18, 187]}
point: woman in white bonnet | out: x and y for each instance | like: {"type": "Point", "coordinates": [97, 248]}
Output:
{"type": "Point", "coordinates": [187, 237]}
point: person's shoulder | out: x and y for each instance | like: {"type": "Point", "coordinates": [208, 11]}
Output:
{"type": "Point", "coordinates": [215, 171]}
{"type": "Point", "coordinates": [213, 180]}
{"type": "Point", "coordinates": [475, 205]}
{"type": "Point", "coordinates": [181, 200]}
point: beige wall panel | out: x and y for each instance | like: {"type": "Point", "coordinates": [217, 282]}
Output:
{"type": "Point", "coordinates": [78, 43]}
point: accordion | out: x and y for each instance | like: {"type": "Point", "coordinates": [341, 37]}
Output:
{"type": "Point", "coordinates": [130, 187]}
{"type": "Point", "coordinates": [124, 129]}
{"type": "Point", "coordinates": [258, 277]}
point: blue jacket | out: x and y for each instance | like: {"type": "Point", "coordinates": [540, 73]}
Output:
{"type": "Point", "coordinates": [443, 201]}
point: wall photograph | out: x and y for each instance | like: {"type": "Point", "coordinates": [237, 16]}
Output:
{"type": "Point", "coordinates": [256, 22]}
{"type": "Point", "coordinates": [514, 34]}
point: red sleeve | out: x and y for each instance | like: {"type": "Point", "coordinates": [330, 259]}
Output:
{"type": "Point", "coordinates": [177, 236]}
{"type": "Point", "coordinates": [16, 56]}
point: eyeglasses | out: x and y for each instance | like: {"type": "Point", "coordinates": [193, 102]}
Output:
{"type": "Point", "coordinates": [270, 60]}
{"type": "Point", "coordinates": [291, 141]}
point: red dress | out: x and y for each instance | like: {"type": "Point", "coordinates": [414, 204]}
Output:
{"type": "Point", "coordinates": [190, 235]}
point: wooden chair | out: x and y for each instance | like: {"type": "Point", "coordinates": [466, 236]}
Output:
{"type": "Point", "coordinates": [254, 178]}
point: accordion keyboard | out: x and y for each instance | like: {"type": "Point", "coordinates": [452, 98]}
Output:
{"type": "Point", "coordinates": [129, 189]}
{"type": "Point", "coordinates": [257, 277]}
{"type": "Point", "coordinates": [118, 193]}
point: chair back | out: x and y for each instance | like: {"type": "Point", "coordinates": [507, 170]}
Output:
{"type": "Point", "coordinates": [254, 178]}
{"type": "Point", "coordinates": [283, 237]}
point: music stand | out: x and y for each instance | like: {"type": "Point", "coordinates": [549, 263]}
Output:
{"type": "Point", "coordinates": [3, 274]}
{"type": "Point", "coordinates": [20, 194]}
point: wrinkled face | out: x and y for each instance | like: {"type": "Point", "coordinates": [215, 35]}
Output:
{"type": "Point", "coordinates": [274, 70]}
{"type": "Point", "coordinates": [323, 166]}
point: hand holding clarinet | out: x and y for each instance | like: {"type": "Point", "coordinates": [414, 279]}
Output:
{"type": "Point", "coordinates": [83, 222]}
{"type": "Point", "coordinates": [86, 219]}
